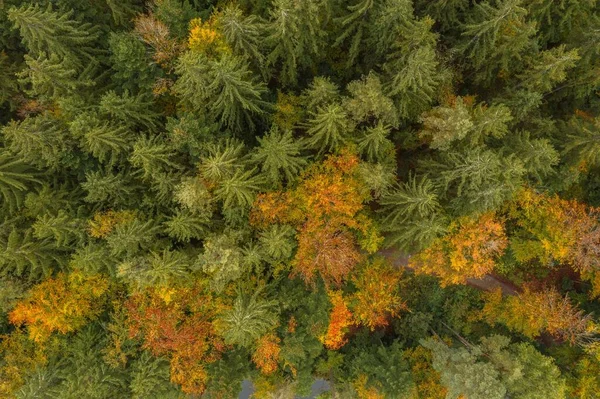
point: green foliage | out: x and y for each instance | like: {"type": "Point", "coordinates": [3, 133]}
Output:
{"type": "Point", "coordinates": [15, 178]}
{"type": "Point", "coordinates": [45, 31]}
{"type": "Point", "coordinates": [250, 317]}
{"type": "Point", "coordinates": [278, 155]}
{"type": "Point", "coordinates": [328, 128]}
{"type": "Point", "coordinates": [224, 89]}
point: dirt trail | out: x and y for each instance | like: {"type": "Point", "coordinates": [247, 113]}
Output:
{"type": "Point", "coordinates": [486, 283]}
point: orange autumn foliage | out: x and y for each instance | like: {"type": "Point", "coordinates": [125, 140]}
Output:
{"type": "Point", "coordinates": [178, 325]}
{"type": "Point", "coordinates": [340, 318]}
{"type": "Point", "coordinates": [377, 298]}
{"type": "Point", "coordinates": [530, 313]}
{"type": "Point", "coordinates": [266, 354]}
{"type": "Point", "coordinates": [61, 304]}
{"type": "Point", "coordinates": [469, 250]}
{"type": "Point", "coordinates": [328, 212]}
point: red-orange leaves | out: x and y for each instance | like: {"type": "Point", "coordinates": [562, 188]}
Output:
{"type": "Point", "coordinates": [266, 354]}
{"type": "Point", "coordinates": [469, 250]}
{"type": "Point", "coordinates": [327, 210]}
{"type": "Point", "coordinates": [62, 304]}
{"type": "Point", "coordinates": [178, 325]}
{"type": "Point", "coordinates": [340, 318]}
{"type": "Point", "coordinates": [377, 298]}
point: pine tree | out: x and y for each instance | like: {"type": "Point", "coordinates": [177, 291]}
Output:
{"type": "Point", "coordinates": [108, 142]}
{"type": "Point", "coordinates": [368, 103]}
{"type": "Point", "coordinates": [277, 242]}
{"type": "Point", "coordinates": [295, 35]}
{"type": "Point", "coordinates": [221, 260]}
{"type": "Point", "coordinates": [16, 178]}
{"type": "Point", "coordinates": [320, 93]}
{"type": "Point", "coordinates": [40, 141]}
{"type": "Point", "coordinates": [374, 143]}
{"type": "Point", "coordinates": [242, 33]}
{"type": "Point", "coordinates": [355, 25]}
{"type": "Point", "coordinates": [150, 378]}
{"type": "Point", "coordinates": [224, 88]}
{"type": "Point", "coordinates": [130, 110]}
{"type": "Point", "coordinates": [413, 216]}
{"type": "Point", "coordinates": [64, 229]}
{"type": "Point", "coordinates": [539, 157]}
{"type": "Point", "coordinates": [151, 156]}
{"type": "Point", "coordinates": [475, 180]}
{"type": "Point", "coordinates": [131, 68]}
{"type": "Point", "coordinates": [385, 368]}
{"type": "Point", "coordinates": [583, 137]}
{"type": "Point", "coordinates": [549, 69]}
{"type": "Point", "coordinates": [463, 374]}
{"type": "Point", "coordinates": [248, 319]}
{"type": "Point", "coordinates": [50, 77]}
{"type": "Point", "coordinates": [49, 32]}
{"type": "Point", "coordinates": [328, 128]}
{"type": "Point", "coordinates": [496, 35]}
{"type": "Point", "coordinates": [131, 238]}
{"type": "Point", "coordinates": [21, 254]}
{"type": "Point", "coordinates": [157, 269]}
{"type": "Point", "coordinates": [279, 156]}
{"type": "Point", "coordinates": [240, 189]}
{"type": "Point", "coordinates": [108, 188]}
{"type": "Point", "coordinates": [184, 226]}
{"type": "Point", "coordinates": [412, 68]}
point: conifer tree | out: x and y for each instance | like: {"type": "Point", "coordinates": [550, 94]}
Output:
{"type": "Point", "coordinates": [242, 32]}
{"type": "Point", "coordinates": [496, 34]}
{"type": "Point", "coordinates": [41, 141]}
{"type": "Point", "coordinates": [45, 31]}
{"type": "Point", "coordinates": [248, 319]}
{"type": "Point", "coordinates": [295, 35]}
{"type": "Point", "coordinates": [279, 156]}
{"type": "Point", "coordinates": [129, 110]}
{"type": "Point", "coordinates": [49, 77]}
{"type": "Point", "coordinates": [328, 128]}
{"type": "Point", "coordinates": [16, 178]}
{"type": "Point", "coordinates": [106, 141]}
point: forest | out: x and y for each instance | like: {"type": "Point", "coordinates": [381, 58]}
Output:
{"type": "Point", "coordinates": [398, 197]}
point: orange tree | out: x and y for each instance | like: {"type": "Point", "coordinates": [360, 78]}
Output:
{"type": "Point", "coordinates": [470, 249]}
{"type": "Point", "coordinates": [178, 323]}
{"type": "Point", "coordinates": [327, 210]}
{"type": "Point", "coordinates": [61, 304]}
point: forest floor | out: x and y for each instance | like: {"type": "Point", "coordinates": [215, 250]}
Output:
{"type": "Point", "coordinates": [486, 283]}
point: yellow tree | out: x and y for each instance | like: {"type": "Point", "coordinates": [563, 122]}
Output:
{"type": "Point", "coordinates": [61, 304]}
{"type": "Point", "coordinates": [377, 300]}
{"type": "Point", "coordinates": [469, 250]}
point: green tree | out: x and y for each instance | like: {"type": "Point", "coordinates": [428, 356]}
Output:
{"type": "Point", "coordinates": [329, 128]}
{"type": "Point", "coordinates": [294, 35]}
{"type": "Point", "coordinates": [250, 318]}
{"type": "Point", "coordinates": [48, 32]}
{"type": "Point", "coordinates": [16, 177]}
{"type": "Point", "coordinates": [279, 157]}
